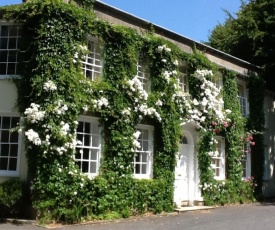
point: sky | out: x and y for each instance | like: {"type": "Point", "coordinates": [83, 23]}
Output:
{"type": "Point", "coordinates": [191, 18]}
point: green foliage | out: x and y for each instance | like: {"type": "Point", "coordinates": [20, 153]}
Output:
{"type": "Point", "coordinates": [249, 36]}
{"type": "Point", "coordinates": [256, 123]}
{"type": "Point", "coordinates": [12, 195]}
{"type": "Point", "coordinates": [52, 33]}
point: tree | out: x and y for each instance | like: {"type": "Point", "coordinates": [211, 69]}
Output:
{"type": "Point", "coordinates": [250, 35]}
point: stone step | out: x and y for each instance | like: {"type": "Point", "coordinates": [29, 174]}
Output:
{"type": "Point", "coordinates": [192, 208]}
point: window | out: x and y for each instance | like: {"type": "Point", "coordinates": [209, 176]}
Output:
{"type": "Point", "coordinates": [217, 80]}
{"type": "Point", "coordinates": [246, 161]}
{"type": "Point", "coordinates": [183, 80]}
{"type": "Point", "coordinates": [218, 161]}
{"type": "Point", "coordinates": [9, 146]}
{"type": "Point", "coordinates": [9, 42]}
{"type": "Point", "coordinates": [88, 152]}
{"type": "Point", "coordinates": [143, 155]}
{"type": "Point", "coordinates": [242, 95]}
{"type": "Point", "coordinates": [92, 65]}
{"type": "Point", "coordinates": [143, 72]}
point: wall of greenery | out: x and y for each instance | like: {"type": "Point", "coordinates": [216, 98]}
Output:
{"type": "Point", "coordinates": [52, 33]}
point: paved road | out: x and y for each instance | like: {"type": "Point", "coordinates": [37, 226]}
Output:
{"type": "Point", "coordinates": [251, 217]}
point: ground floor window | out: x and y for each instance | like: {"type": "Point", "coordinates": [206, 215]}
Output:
{"type": "Point", "coordinates": [218, 159]}
{"type": "Point", "coordinates": [144, 154]}
{"type": "Point", "coordinates": [246, 161]}
{"type": "Point", "coordinates": [9, 146]}
{"type": "Point", "coordinates": [88, 150]}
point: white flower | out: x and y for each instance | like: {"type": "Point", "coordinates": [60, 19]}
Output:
{"type": "Point", "coordinates": [33, 137]}
{"type": "Point", "coordinates": [159, 49]}
{"type": "Point", "coordinates": [136, 144]}
{"type": "Point", "coordinates": [176, 62]}
{"type": "Point", "coordinates": [33, 114]}
{"type": "Point", "coordinates": [49, 86]}
{"type": "Point", "coordinates": [163, 60]}
{"type": "Point", "coordinates": [136, 134]}
{"type": "Point", "coordinates": [65, 128]}
{"type": "Point", "coordinates": [195, 102]}
{"type": "Point", "coordinates": [159, 102]}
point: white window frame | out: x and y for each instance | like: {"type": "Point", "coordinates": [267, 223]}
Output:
{"type": "Point", "coordinates": [220, 158]}
{"type": "Point", "coordinates": [11, 173]}
{"type": "Point", "coordinates": [18, 36]}
{"type": "Point", "coordinates": [92, 64]}
{"type": "Point", "coordinates": [183, 78]}
{"type": "Point", "coordinates": [93, 121]}
{"type": "Point", "coordinates": [149, 162]}
{"type": "Point", "coordinates": [143, 72]}
{"type": "Point", "coordinates": [243, 99]}
{"type": "Point", "coordinates": [246, 161]}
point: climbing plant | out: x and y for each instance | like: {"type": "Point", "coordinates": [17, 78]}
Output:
{"type": "Point", "coordinates": [53, 93]}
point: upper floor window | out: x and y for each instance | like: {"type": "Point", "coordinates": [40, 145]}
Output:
{"type": "Point", "coordinates": [242, 96]}
{"type": "Point", "coordinates": [92, 64]}
{"type": "Point", "coordinates": [88, 149]}
{"type": "Point", "coordinates": [143, 72]}
{"type": "Point", "coordinates": [9, 146]}
{"type": "Point", "coordinates": [217, 80]}
{"type": "Point", "coordinates": [9, 43]}
{"type": "Point", "coordinates": [144, 155]}
{"type": "Point", "coordinates": [218, 160]}
{"type": "Point", "coordinates": [183, 78]}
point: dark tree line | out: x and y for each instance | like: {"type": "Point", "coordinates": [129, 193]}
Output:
{"type": "Point", "coordinates": [250, 35]}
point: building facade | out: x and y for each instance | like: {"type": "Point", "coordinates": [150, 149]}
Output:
{"type": "Point", "coordinates": [123, 110]}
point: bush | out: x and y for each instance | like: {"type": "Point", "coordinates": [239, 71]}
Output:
{"type": "Point", "coordinates": [12, 198]}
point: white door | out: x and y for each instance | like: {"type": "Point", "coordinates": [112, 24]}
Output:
{"type": "Point", "coordinates": [185, 180]}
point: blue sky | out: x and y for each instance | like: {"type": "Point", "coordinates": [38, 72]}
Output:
{"type": "Point", "coordinates": [190, 18]}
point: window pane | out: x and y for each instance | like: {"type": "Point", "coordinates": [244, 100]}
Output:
{"type": "Point", "coordinates": [85, 166]}
{"type": "Point", "coordinates": [11, 68]}
{"type": "Point", "coordinates": [4, 31]}
{"type": "Point", "coordinates": [3, 163]}
{"type": "Point", "coordinates": [144, 157]}
{"type": "Point", "coordinates": [137, 169]}
{"type": "Point", "coordinates": [144, 169]}
{"type": "Point", "coordinates": [3, 56]}
{"type": "Point", "coordinates": [14, 137]}
{"type": "Point", "coordinates": [3, 68]}
{"type": "Point", "coordinates": [5, 136]}
{"type": "Point", "coordinates": [12, 164]}
{"type": "Point", "coordinates": [92, 167]}
{"type": "Point", "coordinates": [80, 127]}
{"type": "Point", "coordinates": [12, 43]}
{"type": "Point", "coordinates": [4, 150]}
{"type": "Point", "coordinates": [94, 153]}
{"type": "Point", "coordinates": [86, 154]}
{"type": "Point", "coordinates": [95, 141]}
{"type": "Point", "coordinates": [13, 150]}
{"type": "Point", "coordinates": [6, 123]}
{"type": "Point", "coordinates": [87, 140]}
{"type": "Point", "coordinates": [78, 154]}
{"type": "Point", "coordinates": [13, 31]}
{"type": "Point", "coordinates": [87, 127]}
{"type": "Point", "coordinates": [145, 146]}
{"type": "Point", "coordinates": [4, 43]}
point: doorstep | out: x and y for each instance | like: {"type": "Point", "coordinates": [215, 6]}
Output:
{"type": "Point", "coordinates": [192, 208]}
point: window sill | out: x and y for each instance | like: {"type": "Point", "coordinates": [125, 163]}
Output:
{"type": "Point", "coordinates": [6, 77]}
{"type": "Point", "coordinates": [9, 174]}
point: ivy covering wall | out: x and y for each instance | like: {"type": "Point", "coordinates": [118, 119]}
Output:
{"type": "Point", "coordinates": [53, 92]}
